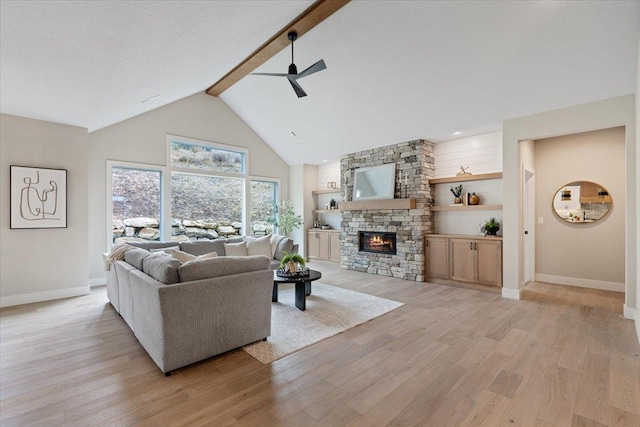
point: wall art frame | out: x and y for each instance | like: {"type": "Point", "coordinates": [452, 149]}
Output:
{"type": "Point", "coordinates": [38, 197]}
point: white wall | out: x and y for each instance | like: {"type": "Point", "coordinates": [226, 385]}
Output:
{"type": "Point", "coordinates": [328, 172]}
{"type": "Point", "coordinates": [636, 312]}
{"type": "Point", "coordinates": [482, 154]}
{"type": "Point", "coordinates": [590, 255]}
{"type": "Point", "coordinates": [142, 139]}
{"type": "Point", "coordinates": [619, 111]}
{"type": "Point", "coordinates": [38, 265]}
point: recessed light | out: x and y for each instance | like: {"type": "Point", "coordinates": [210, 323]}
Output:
{"type": "Point", "coordinates": [457, 132]}
{"type": "Point", "coordinates": [154, 97]}
{"type": "Point", "coordinates": [295, 136]}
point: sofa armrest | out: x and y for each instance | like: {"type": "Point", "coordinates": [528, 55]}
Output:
{"type": "Point", "coordinates": [183, 323]}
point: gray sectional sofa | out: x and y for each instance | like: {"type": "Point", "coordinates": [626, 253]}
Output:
{"type": "Point", "coordinates": [184, 313]}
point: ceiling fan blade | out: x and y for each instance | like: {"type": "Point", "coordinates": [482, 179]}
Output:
{"type": "Point", "coordinates": [318, 66]}
{"type": "Point", "coordinates": [296, 87]}
{"type": "Point", "coordinates": [274, 74]}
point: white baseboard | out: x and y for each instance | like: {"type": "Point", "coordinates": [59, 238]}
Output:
{"type": "Point", "coordinates": [582, 283]}
{"type": "Point", "coordinates": [628, 312]}
{"type": "Point", "coordinates": [511, 293]}
{"type": "Point", "coordinates": [43, 296]}
{"type": "Point", "coordinates": [632, 314]}
{"type": "Point", "coordinates": [98, 281]}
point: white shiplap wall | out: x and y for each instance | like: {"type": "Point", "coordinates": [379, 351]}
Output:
{"type": "Point", "coordinates": [482, 154]}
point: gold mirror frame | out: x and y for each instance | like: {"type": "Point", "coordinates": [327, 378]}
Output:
{"type": "Point", "coordinates": [581, 202]}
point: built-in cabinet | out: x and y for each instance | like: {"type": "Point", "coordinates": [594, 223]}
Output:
{"type": "Point", "coordinates": [468, 259]}
{"type": "Point", "coordinates": [323, 244]}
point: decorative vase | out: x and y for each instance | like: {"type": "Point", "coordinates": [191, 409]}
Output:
{"type": "Point", "coordinates": [293, 266]}
{"type": "Point", "coordinates": [492, 231]}
{"type": "Point", "coordinates": [473, 199]}
{"type": "Point", "coordinates": [457, 200]}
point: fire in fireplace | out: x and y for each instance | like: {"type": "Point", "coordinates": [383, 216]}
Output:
{"type": "Point", "coordinates": [377, 242]}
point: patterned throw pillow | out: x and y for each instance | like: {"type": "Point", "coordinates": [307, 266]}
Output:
{"type": "Point", "coordinates": [236, 249]}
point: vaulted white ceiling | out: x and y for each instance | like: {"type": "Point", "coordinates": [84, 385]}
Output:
{"type": "Point", "coordinates": [396, 70]}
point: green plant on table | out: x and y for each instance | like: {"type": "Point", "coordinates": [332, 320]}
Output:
{"type": "Point", "coordinates": [290, 261]}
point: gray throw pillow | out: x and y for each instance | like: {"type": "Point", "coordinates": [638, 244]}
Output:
{"type": "Point", "coordinates": [201, 247]}
{"type": "Point", "coordinates": [285, 245]}
{"type": "Point", "coordinates": [135, 257]}
{"type": "Point", "coordinates": [221, 266]}
{"type": "Point", "coordinates": [162, 268]}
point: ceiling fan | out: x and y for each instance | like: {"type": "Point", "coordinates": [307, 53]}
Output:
{"type": "Point", "coordinates": [293, 74]}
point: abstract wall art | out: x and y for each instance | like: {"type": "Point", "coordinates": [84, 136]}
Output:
{"type": "Point", "coordinates": [38, 197]}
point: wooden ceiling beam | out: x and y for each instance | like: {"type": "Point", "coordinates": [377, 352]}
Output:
{"type": "Point", "coordinates": [315, 14]}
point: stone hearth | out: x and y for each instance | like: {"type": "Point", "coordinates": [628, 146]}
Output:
{"type": "Point", "coordinates": [410, 225]}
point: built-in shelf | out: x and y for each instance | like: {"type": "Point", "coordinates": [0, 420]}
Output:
{"type": "Point", "coordinates": [325, 211]}
{"type": "Point", "coordinates": [329, 191]}
{"type": "Point", "coordinates": [466, 208]}
{"type": "Point", "coordinates": [381, 204]}
{"type": "Point", "coordinates": [463, 178]}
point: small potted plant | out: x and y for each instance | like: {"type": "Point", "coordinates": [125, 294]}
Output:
{"type": "Point", "coordinates": [457, 191]}
{"type": "Point", "coordinates": [491, 227]}
{"type": "Point", "coordinates": [289, 262]}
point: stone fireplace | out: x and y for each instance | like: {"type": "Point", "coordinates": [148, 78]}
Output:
{"type": "Point", "coordinates": [377, 242]}
{"type": "Point", "coordinates": [414, 162]}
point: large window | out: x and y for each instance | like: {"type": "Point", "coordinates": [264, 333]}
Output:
{"type": "Point", "coordinates": [207, 190]}
{"type": "Point", "coordinates": [264, 197]}
{"type": "Point", "coordinates": [203, 192]}
{"type": "Point", "coordinates": [136, 202]}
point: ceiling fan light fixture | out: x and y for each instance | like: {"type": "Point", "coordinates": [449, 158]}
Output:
{"type": "Point", "coordinates": [293, 74]}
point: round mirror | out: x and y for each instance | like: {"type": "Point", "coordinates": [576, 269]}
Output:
{"type": "Point", "coordinates": [581, 202]}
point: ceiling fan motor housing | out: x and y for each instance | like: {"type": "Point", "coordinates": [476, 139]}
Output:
{"type": "Point", "coordinates": [293, 69]}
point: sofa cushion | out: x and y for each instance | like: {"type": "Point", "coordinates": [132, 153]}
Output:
{"type": "Point", "coordinates": [162, 268]}
{"type": "Point", "coordinates": [221, 266]}
{"type": "Point", "coordinates": [236, 249]}
{"type": "Point", "coordinates": [259, 246]}
{"type": "Point", "coordinates": [235, 239]}
{"type": "Point", "coordinates": [201, 247]}
{"type": "Point", "coordinates": [165, 250]}
{"type": "Point", "coordinates": [285, 245]}
{"type": "Point", "coordinates": [135, 257]}
{"type": "Point", "coordinates": [152, 245]}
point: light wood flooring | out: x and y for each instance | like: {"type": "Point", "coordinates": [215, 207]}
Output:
{"type": "Point", "coordinates": [452, 356]}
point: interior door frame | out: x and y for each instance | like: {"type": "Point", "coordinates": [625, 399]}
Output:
{"type": "Point", "coordinates": [529, 213]}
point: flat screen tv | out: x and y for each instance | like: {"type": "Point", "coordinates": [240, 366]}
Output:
{"type": "Point", "coordinates": [375, 182]}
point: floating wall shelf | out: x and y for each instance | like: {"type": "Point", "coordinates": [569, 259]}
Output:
{"type": "Point", "coordinates": [466, 208]}
{"type": "Point", "coordinates": [463, 178]}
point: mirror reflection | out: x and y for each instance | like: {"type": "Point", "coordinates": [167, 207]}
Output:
{"type": "Point", "coordinates": [582, 202]}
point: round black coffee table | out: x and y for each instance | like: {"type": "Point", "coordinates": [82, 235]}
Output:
{"type": "Point", "coordinates": [303, 287]}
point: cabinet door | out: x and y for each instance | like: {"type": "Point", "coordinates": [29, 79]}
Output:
{"type": "Point", "coordinates": [313, 244]}
{"type": "Point", "coordinates": [488, 256]}
{"type": "Point", "coordinates": [334, 247]}
{"type": "Point", "coordinates": [437, 257]}
{"type": "Point", "coordinates": [461, 256]}
{"type": "Point", "coordinates": [324, 246]}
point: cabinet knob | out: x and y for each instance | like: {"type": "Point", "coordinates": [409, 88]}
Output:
{"type": "Point", "coordinates": [470, 246]}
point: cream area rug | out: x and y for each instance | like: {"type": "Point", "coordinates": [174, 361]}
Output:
{"type": "Point", "coordinates": [330, 310]}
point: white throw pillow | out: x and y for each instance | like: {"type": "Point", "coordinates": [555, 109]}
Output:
{"type": "Point", "coordinates": [186, 257]}
{"type": "Point", "coordinates": [275, 239]}
{"type": "Point", "coordinates": [236, 249]}
{"type": "Point", "coordinates": [259, 246]}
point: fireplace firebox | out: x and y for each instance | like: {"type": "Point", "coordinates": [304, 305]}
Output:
{"type": "Point", "coordinates": [377, 242]}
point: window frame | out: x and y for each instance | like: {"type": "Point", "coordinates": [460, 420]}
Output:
{"type": "Point", "coordinates": [163, 195]}
{"type": "Point", "coordinates": [276, 181]}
